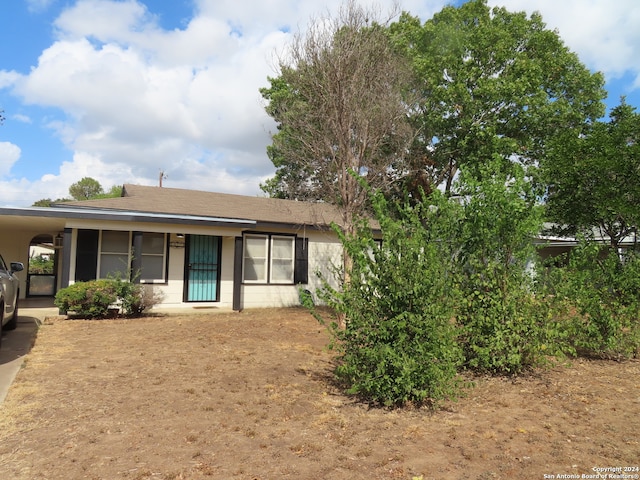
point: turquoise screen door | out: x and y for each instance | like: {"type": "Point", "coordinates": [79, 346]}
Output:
{"type": "Point", "coordinates": [203, 268]}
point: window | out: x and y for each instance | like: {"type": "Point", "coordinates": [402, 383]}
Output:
{"type": "Point", "coordinates": [115, 249]}
{"type": "Point", "coordinates": [255, 258]}
{"type": "Point", "coordinates": [115, 255]}
{"type": "Point", "coordinates": [268, 259]}
{"type": "Point", "coordinates": [153, 257]}
{"type": "Point", "coordinates": [282, 257]}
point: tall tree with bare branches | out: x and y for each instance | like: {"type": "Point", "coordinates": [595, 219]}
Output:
{"type": "Point", "coordinates": [341, 105]}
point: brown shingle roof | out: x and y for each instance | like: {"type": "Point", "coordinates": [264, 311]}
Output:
{"type": "Point", "coordinates": [176, 201]}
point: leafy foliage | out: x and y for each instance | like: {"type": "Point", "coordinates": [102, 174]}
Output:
{"type": "Point", "coordinates": [597, 296]}
{"type": "Point", "coordinates": [399, 344]}
{"type": "Point", "coordinates": [341, 103]}
{"type": "Point", "coordinates": [594, 180]}
{"type": "Point", "coordinates": [452, 284]}
{"type": "Point", "coordinates": [449, 286]}
{"type": "Point", "coordinates": [42, 264]}
{"type": "Point", "coordinates": [88, 299]}
{"type": "Point", "coordinates": [131, 297]}
{"type": "Point", "coordinates": [47, 202]}
{"type": "Point", "coordinates": [97, 298]}
{"type": "Point", "coordinates": [86, 189]}
{"type": "Point", "coordinates": [495, 84]}
{"type": "Point", "coordinates": [506, 328]}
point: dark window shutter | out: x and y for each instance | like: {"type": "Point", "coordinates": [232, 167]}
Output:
{"type": "Point", "coordinates": [301, 272]}
{"type": "Point", "coordinates": [237, 274]}
{"type": "Point", "coordinates": [136, 261]}
{"type": "Point", "coordinates": [86, 255]}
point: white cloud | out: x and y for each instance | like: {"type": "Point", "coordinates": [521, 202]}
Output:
{"type": "Point", "coordinates": [37, 6]}
{"type": "Point", "coordinates": [104, 20]}
{"type": "Point", "coordinates": [8, 78]}
{"type": "Point", "coordinates": [17, 192]}
{"type": "Point", "coordinates": [9, 154]}
{"type": "Point", "coordinates": [21, 118]}
{"type": "Point", "coordinates": [184, 101]}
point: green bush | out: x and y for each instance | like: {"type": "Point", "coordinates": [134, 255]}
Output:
{"type": "Point", "coordinates": [130, 297]}
{"type": "Point", "coordinates": [508, 332]}
{"type": "Point", "coordinates": [98, 298]}
{"type": "Point", "coordinates": [88, 299]}
{"type": "Point", "coordinates": [506, 327]}
{"type": "Point", "coordinates": [399, 341]}
{"type": "Point", "coordinates": [599, 294]}
{"type": "Point", "coordinates": [41, 264]}
{"type": "Point", "coordinates": [453, 285]}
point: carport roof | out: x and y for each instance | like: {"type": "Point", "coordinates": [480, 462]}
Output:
{"type": "Point", "coordinates": [55, 212]}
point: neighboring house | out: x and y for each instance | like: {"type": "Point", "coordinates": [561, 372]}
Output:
{"type": "Point", "coordinates": [194, 248]}
{"type": "Point", "coordinates": [551, 245]}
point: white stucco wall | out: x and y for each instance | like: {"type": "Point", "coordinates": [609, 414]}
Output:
{"type": "Point", "coordinates": [324, 253]}
{"type": "Point", "coordinates": [173, 290]}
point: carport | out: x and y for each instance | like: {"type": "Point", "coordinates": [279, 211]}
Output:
{"type": "Point", "coordinates": [21, 228]}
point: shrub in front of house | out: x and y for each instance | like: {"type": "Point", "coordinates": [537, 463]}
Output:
{"type": "Point", "coordinates": [91, 299]}
{"type": "Point", "coordinates": [399, 345]}
{"type": "Point", "coordinates": [99, 298]}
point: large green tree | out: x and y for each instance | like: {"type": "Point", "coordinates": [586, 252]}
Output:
{"type": "Point", "coordinates": [495, 85]}
{"type": "Point", "coordinates": [340, 105]}
{"type": "Point", "coordinates": [594, 177]}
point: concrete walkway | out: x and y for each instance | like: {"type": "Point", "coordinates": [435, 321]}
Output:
{"type": "Point", "coordinates": [17, 343]}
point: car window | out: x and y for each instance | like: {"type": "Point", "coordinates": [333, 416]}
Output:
{"type": "Point", "coordinates": [3, 266]}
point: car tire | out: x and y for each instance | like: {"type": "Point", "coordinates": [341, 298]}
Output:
{"type": "Point", "coordinates": [1, 320]}
{"type": "Point", "coordinates": [13, 323]}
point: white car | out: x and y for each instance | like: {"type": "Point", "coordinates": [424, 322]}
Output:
{"type": "Point", "coordinates": [9, 293]}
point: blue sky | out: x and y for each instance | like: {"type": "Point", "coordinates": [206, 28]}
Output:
{"type": "Point", "coordinates": [120, 90]}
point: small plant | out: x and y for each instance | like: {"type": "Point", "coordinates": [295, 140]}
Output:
{"type": "Point", "coordinates": [88, 299]}
{"type": "Point", "coordinates": [41, 264]}
{"type": "Point", "coordinates": [97, 298]}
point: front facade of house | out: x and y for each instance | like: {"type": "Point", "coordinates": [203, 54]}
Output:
{"type": "Point", "coordinates": [189, 248]}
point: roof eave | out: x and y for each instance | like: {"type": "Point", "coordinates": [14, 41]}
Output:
{"type": "Point", "coordinates": [84, 213]}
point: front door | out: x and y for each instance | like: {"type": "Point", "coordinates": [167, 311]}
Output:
{"type": "Point", "coordinates": [203, 268]}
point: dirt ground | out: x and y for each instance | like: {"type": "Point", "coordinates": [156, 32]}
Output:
{"type": "Point", "coordinates": [249, 396]}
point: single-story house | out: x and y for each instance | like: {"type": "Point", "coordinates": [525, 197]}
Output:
{"type": "Point", "coordinates": [194, 248]}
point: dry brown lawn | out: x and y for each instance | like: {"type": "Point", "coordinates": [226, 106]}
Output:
{"type": "Point", "coordinates": [249, 396]}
